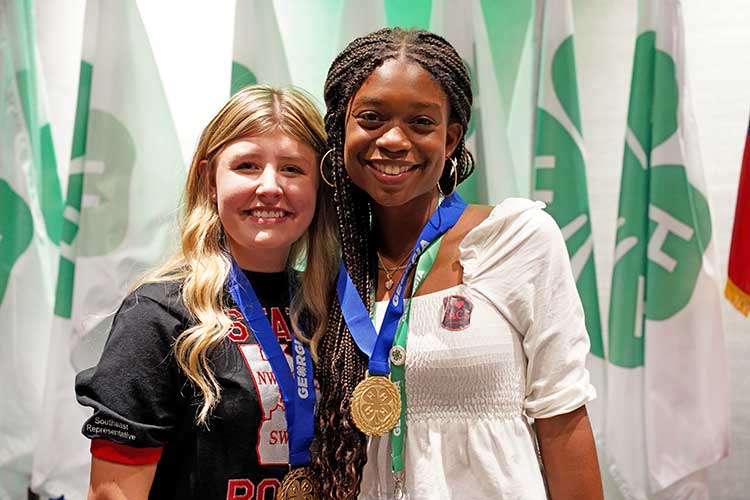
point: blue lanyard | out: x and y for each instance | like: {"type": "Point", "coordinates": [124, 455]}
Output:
{"type": "Point", "coordinates": [377, 345]}
{"type": "Point", "coordinates": [297, 388]}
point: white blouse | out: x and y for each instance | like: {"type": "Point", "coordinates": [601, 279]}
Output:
{"type": "Point", "coordinates": [485, 356]}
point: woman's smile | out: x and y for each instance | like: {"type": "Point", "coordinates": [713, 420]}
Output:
{"type": "Point", "coordinates": [391, 172]}
{"type": "Point", "coordinates": [265, 188]}
{"type": "Point", "coordinates": [398, 134]}
{"type": "Point", "coordinates": [268, 215]}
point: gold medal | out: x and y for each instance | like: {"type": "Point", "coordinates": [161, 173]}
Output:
{"type": "Point", "coordinates": [376, 405]}
{"type": "Point", "coordinates": [297, 485]}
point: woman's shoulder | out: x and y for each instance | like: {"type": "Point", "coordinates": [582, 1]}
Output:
{"type": "Point", "coordinates": [162, 295]}
{"type": "Point", "coordinates": [512, 217]}
{"type": "Point", "coordinates": [516, 229]}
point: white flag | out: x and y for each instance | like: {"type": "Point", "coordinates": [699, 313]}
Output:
{"type": "Point", "coordinates": [124, 187]}
{"type": "Point", "coordinates": [359, 19]}
{"type": "Point", "coordinates": [258, 55]}
{"type": "Point", "coordinates": [667, 407]}
{"type": "Point", "coordinates": [560, 176]}
{"type": "Point", "coordinates": [30, 215]}
{"type": "Point", "coordinates": [504, 78]}
{"type": "Point", "coordinates": [454, 21]}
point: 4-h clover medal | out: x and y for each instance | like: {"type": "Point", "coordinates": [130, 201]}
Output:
{"type": "Point", "coordinates": [397, 355]}
{"type": "Point", "coordinates": [297, 485]}
{"type": "Point", "coordinates": [376, 405]}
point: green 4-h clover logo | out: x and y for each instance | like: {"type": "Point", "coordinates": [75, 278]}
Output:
{"type": "Point", "coordinates": [560, 180]}
{"type": "Point", "coordinates": [16, 231]}
{"type": "Point", "coordinates": [98, 191]}
{"type": "Point", "coordinates": [241, 77]}
{"type": "Point", "coordinates": [664, 223]}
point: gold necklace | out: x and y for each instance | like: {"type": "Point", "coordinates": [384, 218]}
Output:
{"type": "Point", "coordinates": [389, 272]}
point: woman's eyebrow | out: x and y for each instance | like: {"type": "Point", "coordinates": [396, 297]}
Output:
{"type": "Point", "coordinates": [293, 158]}
{"type": "Point", "coordinates": [374, 101]}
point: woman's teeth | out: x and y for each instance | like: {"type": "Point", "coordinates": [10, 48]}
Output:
{"type": "Point", "coordinates": [267, 214]}
{"type": "Point", "coordinates": [392, 169]}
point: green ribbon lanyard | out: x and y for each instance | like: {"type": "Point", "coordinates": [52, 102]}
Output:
{"type": "Point", "coordinates": [397, 369]}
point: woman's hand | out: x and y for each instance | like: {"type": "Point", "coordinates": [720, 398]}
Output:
{"type": "Point", "coordinates": [113, 481]}
{"type": "Point", "coordinates": [569, 456]}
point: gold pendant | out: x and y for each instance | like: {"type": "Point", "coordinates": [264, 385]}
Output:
{"type": "Point", "coordinates": [376, 405]}
{"type": "Point", "coordinates": [297, 485]}
{"type": "Point", "coordinates": [388, 284]}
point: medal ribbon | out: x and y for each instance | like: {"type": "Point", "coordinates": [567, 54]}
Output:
{"type": "Point", "coordinates": [397, 371]}
{"type": "Point", "coordinates": [377, 345]}
{"type": "Point", "coordinates": [296, 385]}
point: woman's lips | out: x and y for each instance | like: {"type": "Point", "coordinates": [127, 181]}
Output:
{"type": "Point", "coordinates": [391, 173]}
{"type": "Point", "coordinates": [267, 215]}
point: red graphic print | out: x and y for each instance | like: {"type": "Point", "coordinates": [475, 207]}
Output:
{"type": "Point", "coordinates": [456, 313]}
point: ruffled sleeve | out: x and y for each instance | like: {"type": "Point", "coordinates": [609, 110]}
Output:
{"type": "Point", "coordinates": [517, 259]}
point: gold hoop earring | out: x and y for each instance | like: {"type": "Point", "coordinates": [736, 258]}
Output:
{"type": "Point", "coordinates": [454, 174]}
{"type": "Point", "coordinates": [322, 176]}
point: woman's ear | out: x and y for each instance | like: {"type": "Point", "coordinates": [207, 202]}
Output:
{"type": "Point", "coordinates": [453, 137]}
{"type": "Point", "coordinates": [203, 170]}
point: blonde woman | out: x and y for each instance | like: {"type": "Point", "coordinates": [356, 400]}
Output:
{"type": "Point", "coordinates": [189, 400]}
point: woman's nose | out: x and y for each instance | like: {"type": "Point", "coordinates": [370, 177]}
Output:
{"type": "Point", "coordinates": [269, 183]}
{"type": "Point", "coordinates": [394, 140]}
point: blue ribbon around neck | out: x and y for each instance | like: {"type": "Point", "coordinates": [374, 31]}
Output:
{"type": "Point", "coordinates": [297, 385]}
{"type": "Point", "coordinates": [377, 345]}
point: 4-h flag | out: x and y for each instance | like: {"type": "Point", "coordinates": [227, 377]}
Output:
{"type": "Point", "coordinates": [457, 26]}
{"type": "Point", "coordinates": [258, 50]}
{"type": "Point", "coordinates": [504, 41]}
{"type": "Point", "coordinates": [738, 284]}
{"type": "Point", "coordinates": [125, 183]}
{"type": "Point", "coordinates": [560, 176]}
{"type": "Point", "coordinates": [359, 19]}
{"type": "Point", "coordinates": [30, 212]}
{"type": "Point", "coordinates": [667, 375]}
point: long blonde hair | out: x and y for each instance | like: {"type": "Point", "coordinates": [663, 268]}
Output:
{"type": "Point", "coordinates": [203, 262]}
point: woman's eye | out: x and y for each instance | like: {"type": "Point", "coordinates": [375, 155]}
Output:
{"type": "Point", "coordinates": [424, 121]}
{"type": "Point", "coordinates": [292, 169]}
{"type": "Point", "coordinates": [369, 118]}
{"type": "Point", "coordinates": [246, 166]}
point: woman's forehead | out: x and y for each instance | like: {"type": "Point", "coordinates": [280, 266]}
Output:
{"type": "Point", "coordinates": [401, 81]}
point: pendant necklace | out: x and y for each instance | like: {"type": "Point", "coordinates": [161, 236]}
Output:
{"type": "Point", "coordinates": [389, 272]}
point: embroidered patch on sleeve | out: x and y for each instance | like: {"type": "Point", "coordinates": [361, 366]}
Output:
{"type": "Point", "coordinates": [456, 313]}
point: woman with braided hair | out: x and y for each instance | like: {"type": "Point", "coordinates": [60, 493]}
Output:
{"type": "Point", "coordinates": [480, 328]}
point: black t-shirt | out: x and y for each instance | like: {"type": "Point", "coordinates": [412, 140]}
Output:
{"type": "Point", "coordinates": [141, 398]}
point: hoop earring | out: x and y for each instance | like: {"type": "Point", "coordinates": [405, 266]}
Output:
{"type": "Point", "coordinates": [322, 176]}
{"type": "Point", "coordinates": [454, 174]}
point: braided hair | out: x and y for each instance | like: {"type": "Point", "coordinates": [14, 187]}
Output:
{"type": "Point", "coordinates": [341, 366]}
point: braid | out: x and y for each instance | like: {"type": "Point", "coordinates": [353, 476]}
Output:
{"type": "Point", "coordinates": [341, 365]}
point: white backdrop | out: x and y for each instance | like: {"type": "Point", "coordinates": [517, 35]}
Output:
{"type": "Point", "coordinates": [718, 51]}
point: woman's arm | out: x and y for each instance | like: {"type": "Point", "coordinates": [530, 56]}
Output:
{"type": "Point", "coordinates": [569, 456]}
{"type": "Point", "coordinates": [113, 481]}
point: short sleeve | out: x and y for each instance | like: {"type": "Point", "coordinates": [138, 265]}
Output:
{"type": "Point", "coordinates": [135, 388]}
{"type": "Point", "coordinates": [518, 260]}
